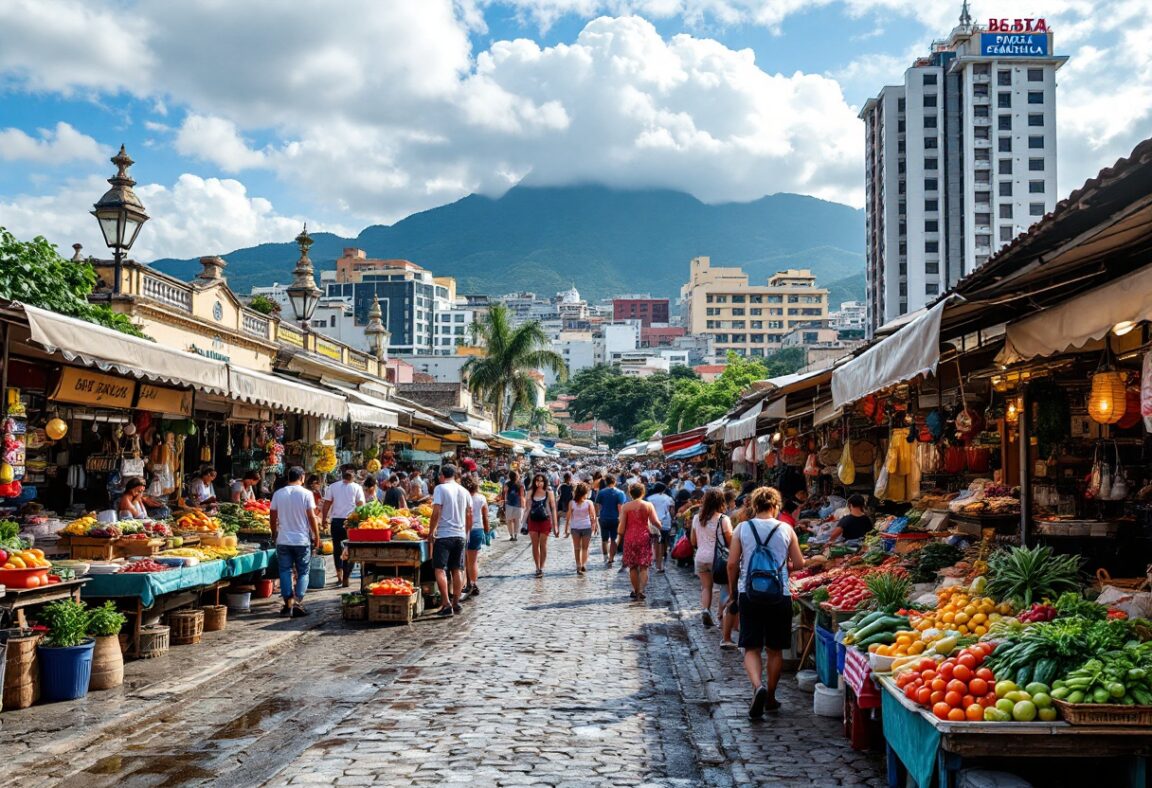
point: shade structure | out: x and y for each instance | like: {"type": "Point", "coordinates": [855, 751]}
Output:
{"type": "Point", "coordinates": [688, 452]}
{"type": "Point", "coordinates": [280, 393]}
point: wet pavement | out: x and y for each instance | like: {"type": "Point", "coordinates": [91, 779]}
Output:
{"type": "Point", "coordinates": [559, 681]}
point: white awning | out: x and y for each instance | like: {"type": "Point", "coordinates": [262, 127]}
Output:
{"type": "Point", "coordinates": [477, 445]}
{"type": "Point", "coordinates": [110, 350]}
{"type": "Point", "coordinates": [743, 428]}
{"type": "Point", "coordinates": [913, 350]}
{"type": "Point", "coordinates": [281, 393]}
{"type": "Point", "coordinates": [1076, 322]}
{"type": "Point", "coordinates": [370, 416]}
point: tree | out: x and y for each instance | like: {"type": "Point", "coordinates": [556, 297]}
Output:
{"type": "Point", "coordinates": [536, 419]}
{"type": "Point", "coordinates": [630, 405]}
{"type": "Point", "coordinates": [786, 361]}
{"type": "Point", "coordinates": [34, 273]}
{"type": "Point", "coordinates": [696, 403]}
{"type": "Point", "coordinates": [264, 305]}
{"type": "Point", "coordinates": [502, 376]}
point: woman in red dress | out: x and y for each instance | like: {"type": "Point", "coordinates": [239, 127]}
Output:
{"type": "Point", "coordinates": [635, 539]}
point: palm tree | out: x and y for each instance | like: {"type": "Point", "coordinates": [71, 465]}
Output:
{"type": "Point", "coordinates": [502, 377]}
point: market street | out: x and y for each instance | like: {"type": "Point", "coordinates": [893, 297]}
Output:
{"type": "Point", "coordinates": [560, 681]}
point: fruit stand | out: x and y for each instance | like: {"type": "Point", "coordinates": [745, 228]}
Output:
{"type": "Point", "coordinates": [390, 547]}
{"type": "Point", "coordinates": [16, 600]}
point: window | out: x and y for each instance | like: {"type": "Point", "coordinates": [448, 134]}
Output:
{"type": "Point", "coordinates": [900, 168]}
{"type": "Point", "coordinates": [1005, 188]}
{"type": "Point", "coordinates": [903, 269]}
{"type": "Point", "coordinates": [756, 299]}
{"type": "Point", "coordinates": [710, 323]}
{"type": "Point", "coordinates": [1004, 123]}
{"type": "Point", "coordinates": [982, 69]}
{"type": "Point", "coordinates": [932, 247]}
{"type": "Point", "coordinates": [737, 299]}
{"type": "Point", "coordinates": [932, 288]}
{"type": "Point", "coordinates": [756, 338]}
{"type": "Point", "coordinates": [1035, 96]}
{"type": "Point", "coordinates": [900, 105]}
{"type": "Point", "coordinates": [983, 219]}
{"type": "Point", "coordinates": [900, 186]}
{"type": "Point", "coordinates": [929, 79]}
{"type": "Point", "coordinates": [903, 228]}
{"type": "Point", "coordinates": [904, 289]}
{"type": "Point", "coordinates": [709, 298]}
{"type": "Point", "coordinates": [930, 185]}
{"type": "Point", "coordinates": [931, 205]}
{"type": "Point", "coordinates": [929, 121]}
{"type": "Point", "coordinates": [737, 311]}
{"type": "Point", "coordinates": [1006, 210]}
{"type": "Point", "coordinates": [1035, 119]}
{"type": "Point", "coordinates": [900, 146]}
{"type": "Point", "coordinates": [1036, 142]}
{"type": "Point", "coordinates": [982, 133]}
{"type": "Point", "coordinates": [721, 337]}
{"type": "Point", "coordinates": [932, 268]}
{"type": "Point", "coordinates": [1004, 77]}
{"type": "Point", "coordinates": [1004, 100]}
{"type": "Point", "coordinates": [775, 324]}
{"type": "Point", "coordinates": [793, 299]}
{"type": "Point", "coordinates": [981, 111]}
{"type": "Point", "coordinates": [1035, 75]}
{"type": "Point", "coordinates": [712, 311]}
{"type": "Point", "coordinates": [931, 226]}
{"type": "Point", "coordinates": [1035, 209]}
{"type": "Point", "coordinates": [1006, 234]}
{"type": "Point", "coordinates": [756, 310]}
{"type": "Point", "coordinates": [931, 164]}
{"type": "Point", "coordinates": [721, 299]}
{"type": "Point", "coordinates": [1035, 187]}
{"type": "Point", "coordinates": [983, 197]}
{"type": "Point", "coordinates": [1004, 144]}
{"type": "Point", "coordinates": [930, 143]}
{"type": "Point", "coordinates": [983, 176]}
{"type": "Point", "coordinates": [983, 240]}
{"type": "Point", "coordinates": [929, 99]}
{"type": "Point", "coordinates": [756, 324]}
{"type": "Point", "coordinates": [1004, 167]}
{"type": "Point", "coordinates": [1036, 165]}
{"type": "Point", "coordinates": [980, 90]}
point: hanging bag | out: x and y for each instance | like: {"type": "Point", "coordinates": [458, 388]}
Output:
{"type": "Point", "coordinates": [720, 556]}
{"type": "Point", "coordinates": [1119, 480]}
{"type": "Point", "coordinates": [846, 468]}
{"type": "Point", "coordinates": [682, 550]}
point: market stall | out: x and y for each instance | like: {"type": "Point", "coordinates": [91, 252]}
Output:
{"type": "Point", "coordinates": [391, 547]}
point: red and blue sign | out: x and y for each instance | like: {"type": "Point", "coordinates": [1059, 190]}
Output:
{"type": "Point", "coordinates": [1014, 44]}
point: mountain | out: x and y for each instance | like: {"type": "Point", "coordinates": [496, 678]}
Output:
{"type": "Point", "coordinates": [604, 240]}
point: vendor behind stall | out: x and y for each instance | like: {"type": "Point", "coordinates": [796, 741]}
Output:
{"type": "Point", "coordinates": [854, 525]}
{"type": "Point", "coordinates": [244, 490]}
{"type": "Point", "coordinates": [135, 505]}
{"type": "Point", "coordinates": [201, 495]}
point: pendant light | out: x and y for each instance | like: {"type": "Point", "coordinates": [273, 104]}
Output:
{"type": "Point", "coordinates": [1108, 400]}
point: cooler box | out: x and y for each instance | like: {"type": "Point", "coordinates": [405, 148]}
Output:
{"type": "Point", "coordinates": [826, 657]}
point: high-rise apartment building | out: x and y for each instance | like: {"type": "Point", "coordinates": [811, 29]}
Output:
{"type": "Point", "coordinates": [961, 158]}
{"type": "Point", "coordinates": [749, 319]}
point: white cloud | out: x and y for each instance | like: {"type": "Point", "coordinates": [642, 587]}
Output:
{"type": "Point", "coordinates": [216, 140]}
{"type": "Point", "coordinates": [54, 146]}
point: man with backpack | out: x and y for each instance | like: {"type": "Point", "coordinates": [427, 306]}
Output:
{"type": "Point", "coordinates": [763, 552]}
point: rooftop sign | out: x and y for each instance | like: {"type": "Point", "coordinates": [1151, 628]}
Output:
{"type": "Point", "coordinates": [1014, 44]}
{"type": "Point", "coordinates": [1026, 25]}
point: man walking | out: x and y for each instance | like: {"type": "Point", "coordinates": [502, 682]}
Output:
{"type": "Point", "coordinates": [450, 524]}
{"type": "Point", "coordinates": [608, 503]}
{"type": "Point", "coordinates": [296, 529]}
{"type": "Point", "coordinates": [340, 500]}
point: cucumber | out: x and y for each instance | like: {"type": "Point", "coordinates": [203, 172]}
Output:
{"type": "Point", "coordinates": [883, 624]}
{"type": "Point", "coordinates": [880, 637]}
{"type": "Point", "coordinates": [1024, 675]}
{"type": "Point", "coordinates": [1061, 693]}
{"type": "Point", "coordinates": [1142, 696]}
{"type": "Point", "coordinates": [1076, 696]}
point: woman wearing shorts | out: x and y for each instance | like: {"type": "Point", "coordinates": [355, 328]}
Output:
{"type": "Point", "coordinates": [513, 500]}
{"type": "Point", "coordinates": [764, 626]}
{"type": "Point", "coordinates": [475, 537]}
{"type": "Point", "coordinates": [542, 520]}
{"type": "Point", "coordinates": [581, 523]}
{"type": "Point", "coordinates": [709, 524]}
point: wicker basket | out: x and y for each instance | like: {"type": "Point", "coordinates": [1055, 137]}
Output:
{"type": "Point", "coordinates": [1104, 714]}
{"type": "Point", "coordinates": [187, 627]}
{"type": "Point", "coordinates": [355, 612]}
{"type": "Point", "coordinates": [215, 617]}
{"type": "Point", "coordinates": [153, 641]}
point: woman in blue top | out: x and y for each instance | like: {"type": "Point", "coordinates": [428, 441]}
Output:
{"type": "Point", "coordinates": [763, 626]}
{"type": "Point", "coordinates": [513, 500]}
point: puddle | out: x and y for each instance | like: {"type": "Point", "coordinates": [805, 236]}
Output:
{"type": "Point", "coordinates": [249, 722]}
{"type": "Point", "coordinates": [183, 767]}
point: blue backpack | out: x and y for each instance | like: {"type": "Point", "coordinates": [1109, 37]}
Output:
{"type": "Point", "coordinates": [765, 582]}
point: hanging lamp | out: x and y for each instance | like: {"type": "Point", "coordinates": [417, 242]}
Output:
{"type": "Point", "coordinates": [1108, 399]}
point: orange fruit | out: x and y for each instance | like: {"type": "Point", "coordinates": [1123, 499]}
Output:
{"type": "Point", "coordinates": [17, 562]}
{"type": "Point", "coordinates": [957, 715]}
{"type": "Point", "coordinates": [974, 713]}
{"type": "Point", "coordinates": [32, 581]}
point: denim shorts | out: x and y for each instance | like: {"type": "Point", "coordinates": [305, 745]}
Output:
{"type": "Point", "coordinates": [475, 538]}
{"type": "Point", "coordinates": [448, 553]}
{"type": "Point", "coordinates": [577, 532]}
{"type": "Point", "coordinates": [609, 530]}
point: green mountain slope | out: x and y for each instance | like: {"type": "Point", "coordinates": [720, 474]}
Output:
{"type": "Point", "coordinates": [605, 241]}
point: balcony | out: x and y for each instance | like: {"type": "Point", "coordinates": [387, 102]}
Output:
{"type": "Point", "coordinates": [255, 325]}
{"type": "Point", "coordinates": [981, 99]}
{"type": "Point", "coordinates": [981, 79]}
{"type": "Point", "coordinates": [167, 293]}
{"type": "Point", "coordinates": [981, 143]}
{"type": "Point", "coordinates": [983, 164]}
{"type": "Point", "coordinates": [981, 121]}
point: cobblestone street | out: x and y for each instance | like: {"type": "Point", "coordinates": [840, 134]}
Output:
{"type": "Point", "coordinates": [557, 681]}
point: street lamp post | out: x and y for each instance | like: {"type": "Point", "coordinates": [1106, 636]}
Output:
{"type": "Point", "coordinates": [377, 334]}
{"type": "Point", "coordinates": [120, 213]}
{"type": "Point", "coordinates": [303, 294]}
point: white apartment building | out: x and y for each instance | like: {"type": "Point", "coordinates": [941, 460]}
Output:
{"type": "Point", "coordinates": [852, 316]}
{"type": "Point", "coordinates": [960, 159]}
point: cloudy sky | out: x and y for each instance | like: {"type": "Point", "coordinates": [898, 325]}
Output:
{"type": "Point", "coordinates": [247, 117]}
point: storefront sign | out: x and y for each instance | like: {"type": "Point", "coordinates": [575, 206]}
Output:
{"type": "Point", "coordinates": [426, 443]}
{"type": "Point", "coordinates": [1026, 25]}
{"type": "Point", "coordinates": [84, 387]}
{"type": "Point", "coordinates": [1014, 44]}
{"type": "Point", "coordinates": [329, 350]}
{"type": "Point", "coordinates": [158, 399]}
{"type": "Point", "coordinates": [212, 354]}
{"type": "Point", "coordinates": [289, 336]}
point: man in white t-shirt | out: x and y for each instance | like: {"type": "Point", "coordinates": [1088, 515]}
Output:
{"type": "Point", "coordinates": [340, 500]}
{"type": "Point", "coordinates": [450, 524]}
{"type": "Point", "coordinates": [664, 505]}
{"type": "Point", "coordinates": [296, 529]}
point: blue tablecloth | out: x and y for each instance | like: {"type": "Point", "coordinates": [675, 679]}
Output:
{"type": "Point", "coordinates": [914, 739]}
{"type": "Point", "coordinates": [149, 585]}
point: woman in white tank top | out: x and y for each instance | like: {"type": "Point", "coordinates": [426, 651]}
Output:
{"type": "Point", "coordinates": [580, 522]}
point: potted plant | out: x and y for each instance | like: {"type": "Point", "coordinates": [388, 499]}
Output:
{"type": "Point", "coordinates": [104, 625]}
{"type": "Point", "coordinates": [66, 653]}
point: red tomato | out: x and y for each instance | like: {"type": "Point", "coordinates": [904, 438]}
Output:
{"type": "Point", "coordinates": [941, 710]}
{"type": "Point", "coordinates": [939, 685]}
{"type": "Point", "coordinates": [974, 713]}
{"type": "Point", "coordinates": [955, 685]}
{"type": "Point", "coordinates": [905, 679]}
{"type": "Point", "coordinates": [953, 699]}
{"type": "Point", "coordinates": [967, 701]}
{"type": "Point", "coordinates": [937, 696]}
{"type": "Point", "coordinates": [946, 668]}
{"type": "Point", "coordinates": [978, 687]}
{"type": "Point", "coordinates": [927, 675]}
{"type": "Point", "coordinates": [967, 659]}
{"type": "Point", "coordinates": [926, 664]}
{"type": "Point", "coordinates": [962, 672]}
{"type": "Point", "coordinates": [923, 696]}
{"type": "Point", "coordinates": [986, 674]}
{"type": "Point", "coordinates": [910, 692]}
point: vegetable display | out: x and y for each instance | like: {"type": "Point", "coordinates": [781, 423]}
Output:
{"type": "Point", "coordinates": [1025, 574]}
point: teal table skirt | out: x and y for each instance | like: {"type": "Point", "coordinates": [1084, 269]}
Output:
{"type": "Point", "coordinates": [149, 585]}
{"type": "Point", "coordinates": [914, 739]}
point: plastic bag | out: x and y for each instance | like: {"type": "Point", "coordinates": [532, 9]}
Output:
{"type": "Point", "coordinates": [881, 489]}
{"type": "Point", "coordinates": [846, 469]}
{"type": "Point", "coordinates": [811, 467]}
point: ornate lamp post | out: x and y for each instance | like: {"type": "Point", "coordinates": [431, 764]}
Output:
{"type": "Point", "coordinates": [120, 213]}
{"type": "Point", "coordinates": [377, 334]}
{"type": "Point", "coordinates": [303, 294]}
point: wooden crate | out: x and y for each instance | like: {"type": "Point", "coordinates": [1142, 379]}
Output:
{"type": "Point", "coordinates": [395, 609]}
{"type": "Point", "coordinates": [399, 554]}
{"type": "Point", "coordinates": [92, 548]}
{"type": "Point", "coordinates": [137, 547]}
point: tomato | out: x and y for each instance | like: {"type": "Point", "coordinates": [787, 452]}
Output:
{"type": "Point", "coordinates": [957, 715]}
{"type": "Point", "coordinates": [936, 697]}
{"type": "Point", "coordinates": [926, 664]}
{"type": "Point", "coordinates": [946, 668]}
{"type": "Point", "coordinates": [986, 700]}
{"type": "Point", "coordinates": [986, 674]}
{"type": "Point", "coordinates": [955, 685]}
{"type": "Point", "coordinates": [978, 686]}
{"type": "Point", "coordinates": [967, 701]}
{"type": "Point", "coordinates": [963, 672]}
{"type": "Point", "coordinates": [904, 680]}
{"type": "Point", "coordinates": [910, 692]}
{"type": "Point", "coordinates": [967, 659]}
{"type": "Point", "coordinates": [974, 713]}
{"type": "Point", "coordinates": [939, 685]}
{"type": "Point", "coordinates": [941, 710]}
{"type": "Point", "coordinates": [923, 696]}
{"type": "Point", "coordinates": [953, 699]}
{"type": "Point", "coordinates": [927, 675]}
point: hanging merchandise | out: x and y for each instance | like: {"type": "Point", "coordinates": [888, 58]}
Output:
{"type": "Point", "coordinates": [811, 467]}
{"type": "Point", "coordinates": [846, 468]}
{"type": "Point", "coordinates": [56, 428]}
{"type": "Point", "coordinates": [935, 424]}
{"type": "Point", "coordinates": [1146, 391]}
{"type": "Point", "coordinates": [1095, 476]}
{"type": "Point", "coordinates": [206, 446]}
{"type": "Point", "coordinates": [737, 456]}
{"type": "Point", "coordinates": [928, 458]}
{"type": "Point", "coordinates": [881, 488]}
{"type": "Point", "coordinates": [792, 453]}
{"type": "Point", "coordinates": [1131, 415]}
{"type": "Point", "coordinates": [898, 462]}
{"type": "Point", "coordinates": [1119, 481]}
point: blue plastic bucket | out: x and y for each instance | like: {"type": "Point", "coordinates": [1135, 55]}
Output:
{"type": "Point", "coordinates": [64, 672]}
{"type": "Point", "coordinates": [316, 573]}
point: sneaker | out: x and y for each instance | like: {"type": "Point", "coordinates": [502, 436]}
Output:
{"type": "Point", "coordinates": [706, 615]}
{"type": "Point", "coordinates": [445, 612]}
{"type": "Point", "coordinates": [466, 591]}
{"type": "Point", "coordinates": [759, 701]}
{"type": "Point", "coordinates": [457, 609]}
{"type": "Point", "coordinates": [475, 591]}
{"type": "Point", "coordinates": [298, 611]}
{"type": "Point", "coordinates": [632, 595]}
{"type": "Point", "coordinates": [727, 645]}
{"type": "Point", "coordinates": [285, 611]}
{"type": "Point", "coordinates": [539, 572]}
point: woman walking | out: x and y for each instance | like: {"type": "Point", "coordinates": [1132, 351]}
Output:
{"type": "Point", "coordinates": [542, 520]}
{"type": "Point", "coordinates": [581, 523]}
{"type": "Point", "coordinates": [764, 625]}
{"type": "Point", "coordinates": [476, 536]}
{"type": "Point", "coordinates": [636, 539]}
{"type": "Point", "coordinates": [710, 526]}
{"type": "Point", "coordinates": [564, 495]}
{"type": "Point", "coordinates": [513, 500]}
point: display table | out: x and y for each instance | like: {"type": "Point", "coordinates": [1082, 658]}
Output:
{"type": "Point", "coordinates": [926, 747]}
{"type": "Point", "coordinates": [388, 559]}
{"type": "Point", "coordinates": [15, 600]}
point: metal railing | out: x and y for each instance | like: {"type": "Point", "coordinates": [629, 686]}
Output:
{"type": "Point", "coordinates": [167, 293]}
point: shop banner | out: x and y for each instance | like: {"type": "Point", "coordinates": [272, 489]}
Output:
{"type": "Point", "coordinates": [158, 399]}
{"type": "Point", "coordinates": [400, 436]}
{"type": "Point", "coordinates": [84, 387]}
{"type": "Point", "coordinates": [427, 443]}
